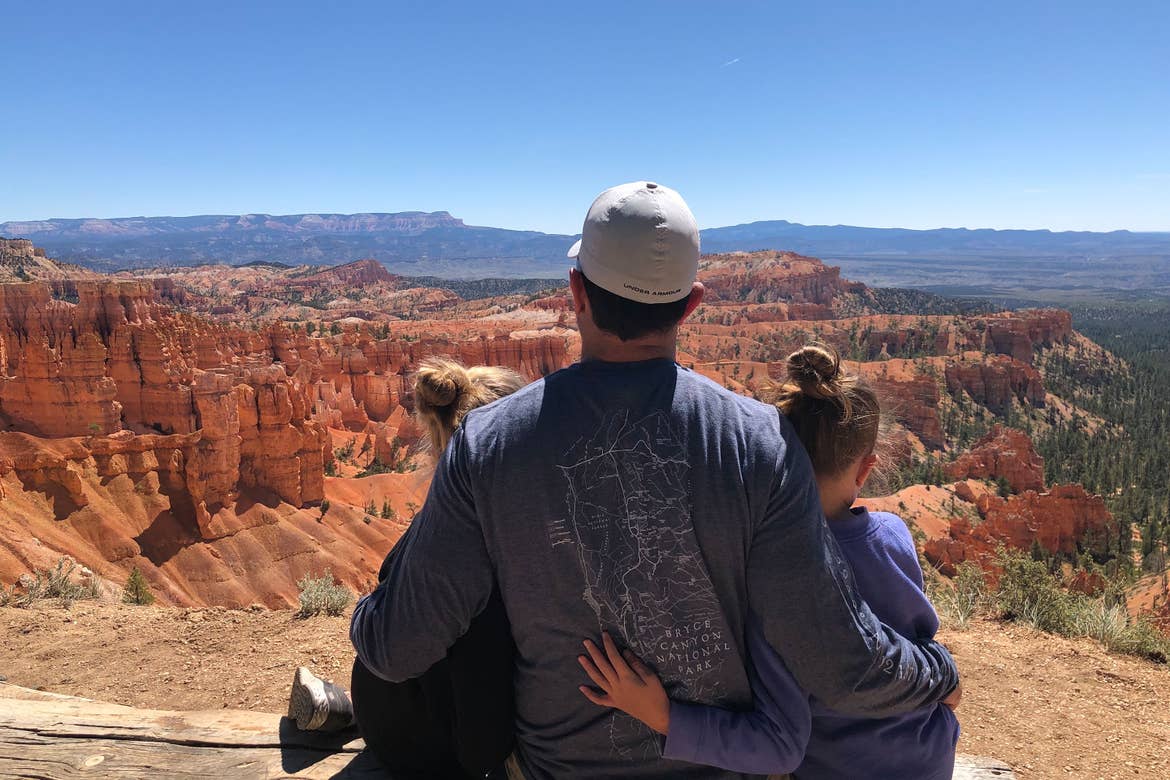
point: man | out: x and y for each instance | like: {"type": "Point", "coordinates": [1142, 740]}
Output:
{"type": "Point", "coordinates": [628, 494]}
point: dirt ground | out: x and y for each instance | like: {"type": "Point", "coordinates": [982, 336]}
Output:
{"type": "Point", "coordinates": [1050, 707]}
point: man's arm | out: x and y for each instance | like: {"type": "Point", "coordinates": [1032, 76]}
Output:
{"type": "Point", "coordinates": [437, 578]}
{"type": "Point", "coordinates": [802, 588]}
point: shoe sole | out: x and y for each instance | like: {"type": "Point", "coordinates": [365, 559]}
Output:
{"type": "Point", "coordinates": [307, 703]}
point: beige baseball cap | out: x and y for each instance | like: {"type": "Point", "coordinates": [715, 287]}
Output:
{"type": "Point", "coordinates": [640, 241]}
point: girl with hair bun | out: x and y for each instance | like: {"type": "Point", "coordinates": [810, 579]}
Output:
{"type": "Point", "coordinates": [838, 419]}
{"type": "Point", "coordinates": [456, 719]}
{"type": "Point", "coordinates": [446, 390]}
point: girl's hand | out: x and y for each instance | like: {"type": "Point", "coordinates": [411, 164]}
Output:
{"type": "Point", "coordinates": [954, 697]}
{"type": "Point", "coordinates": [626, 683]}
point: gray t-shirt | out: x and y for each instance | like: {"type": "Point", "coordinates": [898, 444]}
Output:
{"type": "Point", "coordinates": [646, 500]}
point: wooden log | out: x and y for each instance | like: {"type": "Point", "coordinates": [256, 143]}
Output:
{"type": "Point", "coordinates": [28, 754]}
{"type": "Point", "coordinates": [966, 768]}
{"type": "Point", "coordinates": [981, 768]}
{"type": "Point", "coordinates": [49, 736]}
{"type": "Point", "coordinates": [53, 737]}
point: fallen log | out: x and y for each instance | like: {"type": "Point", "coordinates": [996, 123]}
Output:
{"type": "Point", "coordinates": [54, 737]}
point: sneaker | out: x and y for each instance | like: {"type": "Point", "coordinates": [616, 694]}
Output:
{"type": "Point", "coordinates": [317, 705]}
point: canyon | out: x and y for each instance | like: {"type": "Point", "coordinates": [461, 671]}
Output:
{"type": "Point", "coordinates": [231, 430]}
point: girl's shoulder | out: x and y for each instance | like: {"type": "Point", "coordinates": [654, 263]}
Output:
{"type": "Point", "coordinates": [894, 529]}
{"type": "Point", "coordinates": [893, 543]}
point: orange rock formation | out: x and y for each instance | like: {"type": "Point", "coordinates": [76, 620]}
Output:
{"type": "Point", "coordinates": [183, 421]}
{"type": "Point", "coordinates": [1066, 520]}
{"type": "Point", "coordinates": [1003, 452]}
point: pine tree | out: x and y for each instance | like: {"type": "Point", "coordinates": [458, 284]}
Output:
{"type": "Point", "coordinates": [136, 590]}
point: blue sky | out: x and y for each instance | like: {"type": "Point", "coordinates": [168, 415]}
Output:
{"type": "Point", "coordinates": [1020, 114]}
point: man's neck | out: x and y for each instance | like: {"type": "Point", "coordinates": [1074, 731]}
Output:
{"type": "Point", "coordinates": [614, 350]}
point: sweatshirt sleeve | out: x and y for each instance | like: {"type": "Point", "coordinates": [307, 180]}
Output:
{"type": "Point", "coordinates": [437, 578]}
{"type": "Point", "coordinates": [803, 591]}
{"type": "Point", "coordinates": [903, 591]}
{"type": "Point", "coordinates": [771, 739]}
{"type": "Point", "coordinates": [902, 549]}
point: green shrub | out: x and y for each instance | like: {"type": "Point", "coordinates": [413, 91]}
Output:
{"type": "Point", "coordinates": [322, 595]}
{"type": "Point", "coordinates": [344, 453]}
{"type": "Point", "coordinates": [136, 590]}
{"type": "Point", "coordinates": [376, 466]}
{"type": "Point", "coordinates": [1029, 594]}
{"type": "Point", "coordinates": [1112, 626]}
{"type": "Point", "coordinates": [1002, 487]}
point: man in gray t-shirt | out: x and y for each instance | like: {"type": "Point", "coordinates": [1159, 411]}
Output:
{"type": "Point", "coordinates": [628, 494]}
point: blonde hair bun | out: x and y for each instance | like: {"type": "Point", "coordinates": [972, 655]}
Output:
{"type": "Point", "coordinates": [446, 390]}
{"type": "Point", "coordinates": [440, 382]}
{"type": "Point", "coordinates": [816, 370]}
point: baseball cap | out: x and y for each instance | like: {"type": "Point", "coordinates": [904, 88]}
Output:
{"type": "Point", "coordinates": [640, 242]}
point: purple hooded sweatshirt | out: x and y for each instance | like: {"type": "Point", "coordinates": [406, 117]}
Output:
{"type": "Point", "coordinates": [791, 732]}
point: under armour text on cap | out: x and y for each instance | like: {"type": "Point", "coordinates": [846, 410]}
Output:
{"type": "Point", "coordinates": [640, 241]}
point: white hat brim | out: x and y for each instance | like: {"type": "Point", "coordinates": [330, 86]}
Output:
{"type": "Point", "coordinates": [575, 249]}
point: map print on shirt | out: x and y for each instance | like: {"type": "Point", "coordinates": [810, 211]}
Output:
{"type": "Point", "coordinates": [628, 521]}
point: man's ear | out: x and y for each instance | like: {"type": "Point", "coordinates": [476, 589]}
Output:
{"type": "Point", "coordinates": [696, 298]}
{"type": "Point", "coordinates": [577, 287]}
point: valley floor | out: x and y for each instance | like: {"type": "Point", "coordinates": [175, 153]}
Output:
{"type": "Point", "coordinates": [1049, 706]}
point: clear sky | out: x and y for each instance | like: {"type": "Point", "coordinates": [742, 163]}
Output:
{"type": "Point", "coordinates": [978, 114]}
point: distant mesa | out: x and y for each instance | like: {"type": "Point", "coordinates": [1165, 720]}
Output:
{"type": "Point", "coordinates": [126, 227]}
{"type": "Point", "coordinates": [416, 243]}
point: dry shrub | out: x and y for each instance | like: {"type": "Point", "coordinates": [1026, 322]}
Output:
{"type": "Point", "coordinates": [962, 597]}
{"type": "Point", "coordinates": [322, 595]}
{"type": "Point", "coordinates": [56, 583]}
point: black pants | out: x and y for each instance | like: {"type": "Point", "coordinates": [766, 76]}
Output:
{"type": "Point", "coordinates": [456, 719]}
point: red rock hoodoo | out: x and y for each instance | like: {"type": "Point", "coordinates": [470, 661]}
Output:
{"type": "Point", "coordinates": [1003, 452]}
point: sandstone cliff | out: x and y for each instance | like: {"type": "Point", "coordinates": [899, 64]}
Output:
{"type": "Point", "coordinates": [20, 261]}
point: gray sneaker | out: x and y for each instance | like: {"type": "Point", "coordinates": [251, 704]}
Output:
{"type": "Point", "coordinates": [318, 705]}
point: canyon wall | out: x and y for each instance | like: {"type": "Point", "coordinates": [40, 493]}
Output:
{"type": "Point", "coordinates": [133, 434]}
{"type": "Point", "coordinates": [231, 430]}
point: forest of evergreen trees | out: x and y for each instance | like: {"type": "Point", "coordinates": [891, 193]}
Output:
{"type": "Point", "coordinates": [1126, 459]}
{"type": "Point", "coordinates": [1129, 461]}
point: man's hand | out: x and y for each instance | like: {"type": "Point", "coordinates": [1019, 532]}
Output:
{"type": "Point", "coordinates": [626, 683]}
{"type": "Point", "coordinates": [952, 700]}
